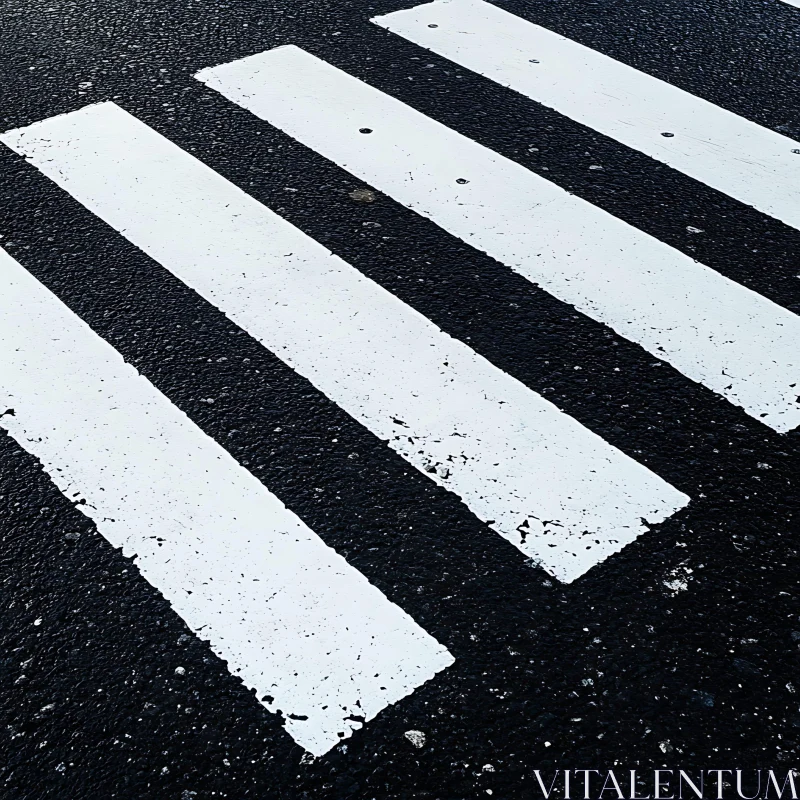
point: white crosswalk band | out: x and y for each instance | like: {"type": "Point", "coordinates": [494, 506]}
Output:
{"type": "Point", "coordinates": [733, 155]}
{"type": "Point", "coordinates": [291, 617]}
{"type": "Point", "coordinates": [713, 330]}
{"type": "Point", "coordinates": [557, 491]}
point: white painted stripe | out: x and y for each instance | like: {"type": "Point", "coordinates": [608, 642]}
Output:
{"type": "Point", "coordinates": [554, 489]}
{"type": "Point", "coordinates": [291, 617]}
{"type": "Point", "coordinates": [795, 3]}
{"type": "Point", "coordinates": [713, 330]}
{"type": "Point", "coordinates": [715, 146]}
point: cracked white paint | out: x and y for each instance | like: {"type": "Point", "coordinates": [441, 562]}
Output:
{"type": "Point", "coordinates": [723, 150]}
{"type": "Point", "coordinates": [715, 331]}
{"type": "Point", "coordinates": [291, 617]}
{"type": "Point", "coordinates": [557, 491]}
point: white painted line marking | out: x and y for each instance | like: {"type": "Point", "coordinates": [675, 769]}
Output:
{"type": "Point", "coordinates": [560, 493]}
{"type": "Point", "coordinates": [795, 3]}
{"type": "Point", "coordinates": [713, 330]}
{"type": "Point", "coordinates": [733, 155]}
{"type": "Point", "coordinates": [291, 617]}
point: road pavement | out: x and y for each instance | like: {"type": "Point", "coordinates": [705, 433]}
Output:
{"type": "Point", "coordinates": [397, 399]}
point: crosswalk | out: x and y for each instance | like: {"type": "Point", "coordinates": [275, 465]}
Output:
{"type": "Point", "coordinates": [713, 330]}
{"type": "Point", "coordinates": [751, 163]}
{"type": "Point", "coordinates": [289, 615]}
{"type": "Point", "coordinates": [515, 459]}
{"type": "Point", "coordinates": [293, 619]}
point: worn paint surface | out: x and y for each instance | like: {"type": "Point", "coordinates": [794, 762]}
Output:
{"type": "Point", "coordinates": [300, 626]}
{"type": "Point", "coordinates": [713, 330]}
{"type": "Point", "coordinates": [551, 487]}
{"type": "Point", "coordinates": [730, 153]}
{"type": "Point", "coordinates": [679, 650]}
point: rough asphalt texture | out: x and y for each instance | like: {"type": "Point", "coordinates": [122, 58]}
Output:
{"type": "Point", "coordinates": [680, 651]}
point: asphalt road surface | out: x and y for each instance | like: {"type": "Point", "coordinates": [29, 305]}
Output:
{"type": "Point", "coordinates": [396, 399]}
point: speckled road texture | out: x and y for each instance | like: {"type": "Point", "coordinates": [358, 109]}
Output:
{"type": "Point", "coordinates": [675, 641]}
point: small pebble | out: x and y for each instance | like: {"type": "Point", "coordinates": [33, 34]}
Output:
{"type": "Point", "coordinates": [362, 195]}
{"type": "Point", "coordinates": [417, 738]}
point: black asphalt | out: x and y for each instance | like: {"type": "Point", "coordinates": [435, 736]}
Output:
{"type": "Point", "coordinates": [614, 670]}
